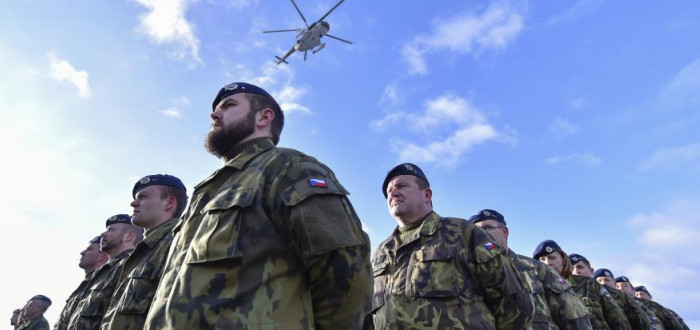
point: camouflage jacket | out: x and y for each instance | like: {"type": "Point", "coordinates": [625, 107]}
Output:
{"type": "Point", "coordinates": [679, 319]}
{"type": "Point", "coordinates": [269, 241]}
{"type": "Point", "coordinates": [40, 323]}
{"type": "Point", "coordinates": [656, 323]}
{"type": "Point", "coordinates": [98, 292]}
{"type": "Point", "coordinates": [633, 309]}
{"type": "Point", "coordinates": [71, 302]}
{"type": "Point", "coordinates": [556, 304]}
{"type": "Point", "coordinates": [604, 312]}
{"type": "Point", "coordinates": [448, 274]}
{"type": "Point", "coordinates": [139, 279]}
{"type": "Point", "coordinates": [668, 319]}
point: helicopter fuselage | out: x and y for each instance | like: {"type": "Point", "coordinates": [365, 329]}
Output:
{"type": "Point", "coordinates": [309, 38]}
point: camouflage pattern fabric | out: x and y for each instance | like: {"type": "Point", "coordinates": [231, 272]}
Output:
{"type": "Point", "coordinates": [655, 321]}
{"type": "Point", "coordinates": [678, 318]}
{"type": "Point", "coordinates": [447, 275]}
{"type": "Point", "coordinates": [269, 241]}
{"type": "Point", "coordinates": [556, 304]}
{"type": "Point", "coordinates": [71, 304]}
{"type": "Point", "coordinates": [633, 309]}
{"type": "Point", "coordinates": [667, 318]}
{"type": "Point", "coordinates": [94, 301]}
{"type": "Point", "coordinates": [604, 312]}
{"type": "Point", "coordinates": [139, 279]}
{"type": "Point", "coordinates": [40, 323]}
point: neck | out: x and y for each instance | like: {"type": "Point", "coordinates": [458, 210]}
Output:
{"type": "Point", "coordinates": [117, 252]}
{"type": "Point", "coordinates": [403, 221]}
{"type": "Point", "coordinates": [239, 148]}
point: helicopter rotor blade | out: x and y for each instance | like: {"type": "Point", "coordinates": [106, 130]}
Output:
{"type": "Point", "coordinates": [336, 38]}
{"type": "Point", "coordinates": [286, 30]}
{"type": "Point", "coordinates": [329, 12]}
{"type": "Point", "coordinates": [300, 14]}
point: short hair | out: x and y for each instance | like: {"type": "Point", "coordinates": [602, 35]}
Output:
{"type": "Point", "coordinates": [422, 184]}
{"type": "Point", "coordinates": [259, 102]}
{"type": "Point", "coordinates": [138, 233]}
{"type": "Point", "coordinates": [180, 197]}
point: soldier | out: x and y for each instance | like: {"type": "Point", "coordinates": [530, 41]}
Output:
{"type": "Point", "coordinates": [118, 241]}
{"type": "Point", "coordinates": [158, 203]}
{"type": "Point", "coordinates": [14, 321]}
{"type": "Point", "coordinates": [639, 316]}
{"type": "Point", "coordinates": [604, 312]}
{"type": "Point", "coordinates": [32, 315]}
{"type": "Point", "coordinates": [668, 318]}
{"type": "Point", "coordinates": [270, 240]}
{"type": "Point", "coordinates": [90, 259]}
{"type": "Point", "coordinates": [641, 292]}
{"type": "Point", "coordinates": [556, 304]}
{"type": "Point", "coordinates": [441, 273]}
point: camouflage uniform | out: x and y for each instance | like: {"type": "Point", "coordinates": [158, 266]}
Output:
{"type": "Point", "coordinates": [71, 304]}
{"type": "Point", "coordinates": [605, 313]}
{"type": "Point", "coordinates": [269, 241]}
{"type": "Point", "coordinates": [447, 275]}
{"type": "Point", "coordinates": [95, 299]}
{"type": "Point", "coordinates": [678, 318]}
{"type": "Point", "coordinates": [40, 323]}
{"type": "Point", "coordinates": [139, 279]}
{"type": "Point", "coordinates": [556, 304]}
{"type": "Point", "coordinates": [633, 309]}
{"type": "Point", "coordinates": [655, 321]}
{"type": "Point", "coordinates": [667, 318]}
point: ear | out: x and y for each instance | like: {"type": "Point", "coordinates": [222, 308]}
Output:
{"type": "Point", "coordinates": [506, 232]}
{"type": "Point", "coordinates": [171, 204]}
{"type": "Point", "coordinates": [429, 194]}
{"type": "Point", "coordinates": [264, 117]}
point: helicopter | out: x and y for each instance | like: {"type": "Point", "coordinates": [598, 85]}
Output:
{"type": "Point", "coordinates": [309, 38]}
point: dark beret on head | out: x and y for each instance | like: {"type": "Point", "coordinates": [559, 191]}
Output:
{"type": "Point", "coordinates": [602, 272]}
{"type": "Point", "coordinates": [545, 248]}
{"type": "Point", "coordinates": [576, 258]}
{"type": "Point", "coordinates": [622, 279]}
{"type": "Point", "coordinates": [96, 240]}
{"type": "Point", "coordinates": [642, 288]}
{"type": "Point", "coordinates": [42, 298]}
{"type": "Point", "coordinates": [235, 88]}
{"type": "Point", "coordinates": [488, 214]}
{"type": "Point", "coordinates": [403, 169]}
{"type": "Point", "coordinates": [157, 179]}
{"type": "Point", "coordinates": [119, 218]}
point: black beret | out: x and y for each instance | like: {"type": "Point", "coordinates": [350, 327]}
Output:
{"type": "Point", "coordinates": [575, 258]}
{"type": "Point", "coordinates": [546, 247]}
{"type": "Point", "coordinates": [622, 279]}
{"type": "Point", "coordinates": [235, 88]}
{"type": "Point", "coordinates": [488, 214]}
{"type": "Point", "coordinates": [119, 218]}
{"type": "Point", "coordinates": [403, 169]}
{"type": "Point", "coordinates": [642, 288]}
{"type": "Point", "coordinates": [157, 179]}
{"type": "Point", "coordinates": [602, 272]}
{"type": "Point", "coordinates": [96, 240]}
{"type": "Point", "coordinates": [42, 298]}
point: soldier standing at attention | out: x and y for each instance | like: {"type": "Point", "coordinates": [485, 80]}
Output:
{"type": "Point", "coordinates": [32, 315]}
{"type": "Point", "coordinates": [159, 200]}
{"type": "Point", "coordinates": [90, 260]}
{"type": "Point", "coordinates": [269, 241]}
{"type": "Point", "coordinates": [669, 318]}
{"type": "Point", "coordinates": [556, 304]}
{"type": "Point", "coordinates": [604, 312]}
{"type": "Point", "coordinates": [441, 273]}
{"type": "Point", "coordinates": [118, 241]}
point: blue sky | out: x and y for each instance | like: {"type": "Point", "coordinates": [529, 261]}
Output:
{"type": "Point", "coordinates": [577, 120]}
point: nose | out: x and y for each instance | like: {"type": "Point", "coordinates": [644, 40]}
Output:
{"type": "Point", "coordinates": [134, 203]}
{"type": "Point", "coordinates": [215, 115]}
{"type": "Point", "coordinates": [104, 234]}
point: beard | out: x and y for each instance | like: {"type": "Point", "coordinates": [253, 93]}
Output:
{"type": "Point", "coordinates": [220, 142]}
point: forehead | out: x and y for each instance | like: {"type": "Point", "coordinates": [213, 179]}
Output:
{"type": "Point", "coordinates": [404, 178]}
{"type": "Point", "coordinates": [580, 264]}
{"type": "Point", "coordinates": [93, 247]}
{"type": "Point", "coordinates": [117, 226]}
{"type": "Point", "coordinates": [487, 223]}
{"type": "Point", "coordinates": [238, 97]}
{"type": "Point", "coordinates": [149, 189]}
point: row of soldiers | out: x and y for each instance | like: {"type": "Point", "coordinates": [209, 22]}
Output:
{"type": "Point", "coordinates": [271, 241]}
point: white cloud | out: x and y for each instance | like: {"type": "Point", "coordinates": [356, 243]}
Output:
{"type": "Point", "coordinates": [288, 96]}
{"type": "Point", "coordinates": [172, 112]}
{"type": "Point", "coordinates": [494, 28]}
{"type": "Point", "coordinates": [682, 90]}
{"type": "Point", "coordinates": [563, 126]}
{"type": "Point", "coordinates": [587, 159]}
{"type": "Point", "coordinates": [450, 125]}
{"type": "Point", "coordinates": [673, 159]}
{"type": "Point", "coordinates": [62, 70]}
{"type": "Point", "coordinates": [165, 23]}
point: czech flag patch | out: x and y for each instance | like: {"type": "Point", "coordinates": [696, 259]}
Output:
{"type": "Point", "coordinates": [319, 183]}
{"type": "Point", "coordinates": [490, 246]}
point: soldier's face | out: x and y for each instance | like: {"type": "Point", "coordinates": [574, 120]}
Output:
{"type": "Point", "coordinates": [233, 123]}
{"type": "Point", "coordinates": [553, 260]}
{"type": "Point", "coordinates": [497, 230]}
{"type": "Point", "coordinates": [405, 200]}
{"type": "Point", "coordinates": [15, 317]}
{"type": "Point", "coordinates": [625, 286]}
{"type": "Point", "coordinates": [113, 238]}
{"type": "Point", "coordinates": [150, 208]}
{"type": "Point", "coordinates": [90, 256]}
{"type": "Point", "coordinates": [607, 281]}
{"type": "Point", "coordinates": [642, 295]}
{"type": "Point", "coordinates": [580, 268]}
{"type": "Point", "coordinates": [32, 309]}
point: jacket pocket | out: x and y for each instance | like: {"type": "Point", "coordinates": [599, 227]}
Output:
{"type": "Point", "coordinates": [140, 289]}
{"type": "Point", "coordinates": [433, 273]}
{"type": "Point", "coordinates": [219, 232]}
{"type": "Point", "coordinates": [380, 268]}
{"type": "Point", "coordinates": [95, 305]}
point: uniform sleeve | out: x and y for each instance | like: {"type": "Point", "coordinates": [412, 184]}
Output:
{"type": "Point", "coordinates": [329, 240]}
{"type": "Point", "coordinates": [566, 309]}
{"type": "Point", "coordinates": [635, 313]}
{"type": "Point", "coordinates": [507, 299]}
{"type": "Point", "coordinates": [614, 314]}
